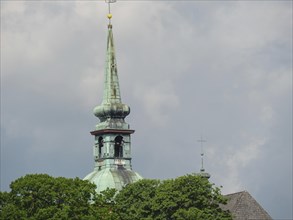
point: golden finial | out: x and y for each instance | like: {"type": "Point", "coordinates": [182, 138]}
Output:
{"type": "Point", "coordinates": [109, 7]}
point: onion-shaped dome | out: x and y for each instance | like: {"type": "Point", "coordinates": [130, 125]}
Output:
{"type": "Point", "coordinates": [111, 110]}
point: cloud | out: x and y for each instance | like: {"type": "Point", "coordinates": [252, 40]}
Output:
{"type": "Point", "coordinates": [239, 160]}
{"type": "Point", "coordinates": [158, 101]}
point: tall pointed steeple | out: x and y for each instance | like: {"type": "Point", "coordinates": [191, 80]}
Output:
{"type": "Point", "coordinates": [111, 86]}
{"type": "Point", "coordinates": [112, 111]}
{"type": "Point", "coordinates": [112, 149]}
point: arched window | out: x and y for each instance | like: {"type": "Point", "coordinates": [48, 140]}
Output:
{"type": "Point", "coordinates": [101, 144]}
{"type": "Point", "coordinates": [118, 147]}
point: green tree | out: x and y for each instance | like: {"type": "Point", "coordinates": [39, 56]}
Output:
{"type": "Point", "coordinates": [135, 200]}
{"type": "Point", "coordinates": [186, 197]}
{"type": "Point", "coordinates": [104, 204]}
{"type": "Point", "coordinates": [40, 196]}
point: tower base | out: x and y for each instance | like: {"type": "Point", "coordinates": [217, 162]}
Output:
{"type": "Point", "coordinates": [115, 178]}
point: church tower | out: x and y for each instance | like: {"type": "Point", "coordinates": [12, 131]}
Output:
{"type": "Point", "coordinates": [112, 149]}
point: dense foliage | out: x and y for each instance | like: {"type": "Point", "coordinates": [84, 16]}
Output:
{"type": "Point", "coordinates": [186, 197]}
{"type": "Point", "coordinates": [40, 196]}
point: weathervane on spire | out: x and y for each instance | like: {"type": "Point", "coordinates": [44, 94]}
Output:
{"type": "Point", "coordinates": [201, 154]}
{"type": "Point", "coordinates": [109, 9]}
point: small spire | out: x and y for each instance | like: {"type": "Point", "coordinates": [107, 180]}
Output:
{"type": "Point", "coordinates": [201, 140]}
{"type": "Point", "coordinates": [202, 170]}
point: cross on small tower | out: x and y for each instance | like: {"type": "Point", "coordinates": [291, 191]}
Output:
{"type": "Point", "coordinates": [201, 140]}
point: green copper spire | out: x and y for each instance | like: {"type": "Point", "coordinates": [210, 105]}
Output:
{"type": "Point", "coordinates": [111, 107]}
{"type": "Point", "coordinates": [111, 85]}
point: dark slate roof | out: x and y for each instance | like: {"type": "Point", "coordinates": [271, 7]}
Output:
{"type": "Point", "coordinates": [244, 207]}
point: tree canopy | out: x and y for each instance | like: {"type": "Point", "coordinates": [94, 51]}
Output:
{"type": "Point", "coordinates": [40, 196]}
{"type": "Point", "coordinates": [186, 197]}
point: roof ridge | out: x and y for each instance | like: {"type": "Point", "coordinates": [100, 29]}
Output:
{"type": "Point", "coordinates": [244, 191]}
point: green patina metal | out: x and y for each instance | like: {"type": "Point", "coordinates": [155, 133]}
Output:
{"type": "Point", "coordinates": [112, 111]}
{"type": "Point", "coordinates": [112, 149]}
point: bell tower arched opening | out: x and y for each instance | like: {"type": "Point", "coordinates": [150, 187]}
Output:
{"type": "Point", "coordinates": [101, 145]}
{"type": "Point", "coordinates": [118, 147]}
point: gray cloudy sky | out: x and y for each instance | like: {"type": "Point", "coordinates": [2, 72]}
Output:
{"type": "Point", "coordinates": [222, 69]}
